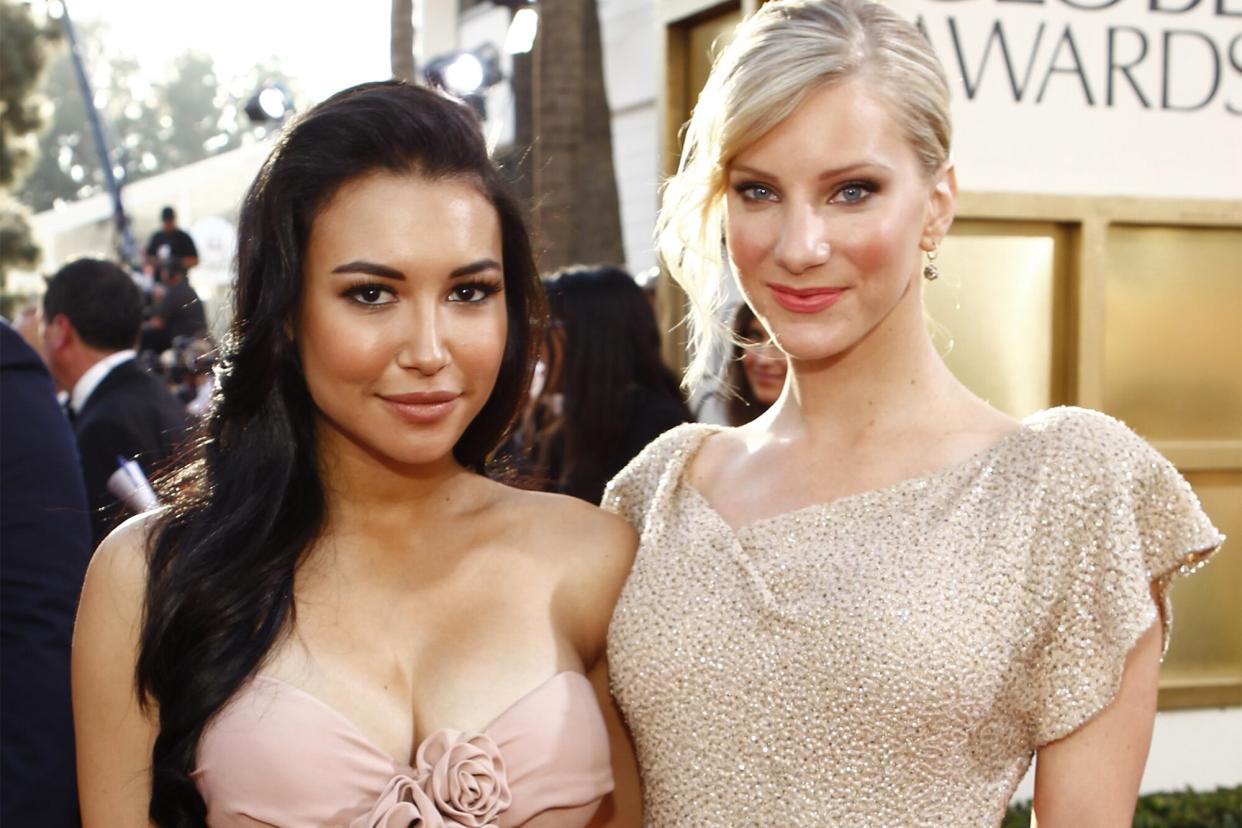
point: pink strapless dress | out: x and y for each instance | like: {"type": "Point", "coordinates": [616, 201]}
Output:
{"type": "Point", "coordinates": [276, 755]}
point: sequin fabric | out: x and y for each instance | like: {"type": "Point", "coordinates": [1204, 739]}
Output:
{"type": "Point", "coordinates": [894, 657]}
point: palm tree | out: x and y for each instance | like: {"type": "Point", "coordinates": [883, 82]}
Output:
{"type": "Point", "coordinates": [401, 48]}
{"type": "Point", "coordinates": [576, 212]}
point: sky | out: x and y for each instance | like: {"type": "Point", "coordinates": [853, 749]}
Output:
{"type": "Point", "coordinates": [324, 45]}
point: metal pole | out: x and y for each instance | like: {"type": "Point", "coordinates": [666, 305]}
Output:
{"type": "Point", "coordinates": [129, 249]}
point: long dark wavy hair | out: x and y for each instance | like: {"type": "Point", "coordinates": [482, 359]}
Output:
{"type": "Point", "coordinates": [242, 514]}
{"type": "Point", "coordinates": [612, 367]}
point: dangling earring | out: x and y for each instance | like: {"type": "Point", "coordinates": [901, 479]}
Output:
{"type": "Point", "coordinates": [930, 272]}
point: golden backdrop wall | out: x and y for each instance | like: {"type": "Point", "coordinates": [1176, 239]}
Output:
{"type": "Point", "coordinates": [1129, 306]}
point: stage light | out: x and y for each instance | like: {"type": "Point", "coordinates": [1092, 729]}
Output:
{"type": "Point", "coordinates": [520, 38]}
{"type": "Point", "coordinates": [464, 75]}
{"type": "Point", "coordinates": [271, 103]}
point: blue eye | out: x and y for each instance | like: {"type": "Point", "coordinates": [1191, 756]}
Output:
{"type": "Point", "coordinates": [854, 192]}
{"type": "Point", "coordinates": [755, 192]}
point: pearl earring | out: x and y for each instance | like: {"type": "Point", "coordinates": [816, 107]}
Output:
{"type": "Point", "coordinates": [930, 272]}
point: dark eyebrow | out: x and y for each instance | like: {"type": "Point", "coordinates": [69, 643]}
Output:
{"type": "Point", "coordinates": [370, 268]}
{"type": "Point", "coordinates": [475, 267]}
{"type": "Point", "coordinates": [835, 173]}
{"type": "Point", "coordinates": [386, 272]}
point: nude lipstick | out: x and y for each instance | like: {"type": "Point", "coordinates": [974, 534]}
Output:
{"type": "Point", "coordinates": [422, 407]}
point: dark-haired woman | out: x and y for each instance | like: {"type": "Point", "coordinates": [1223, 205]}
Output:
{"type": "Point", "coordinates": [339, 620]}
{"type": "Point", "coordinates": [757, 369]}
{"type": "Point", "coordinates": [617, 394]}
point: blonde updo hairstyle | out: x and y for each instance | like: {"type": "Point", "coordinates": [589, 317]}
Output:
{"type": "Point", "coordinates": [779, 55]}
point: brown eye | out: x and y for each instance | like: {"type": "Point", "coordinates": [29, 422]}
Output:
{"type": "Point", "coordinates": [371, 294]}
{"type": "Point", "coordinates": [472, 293]}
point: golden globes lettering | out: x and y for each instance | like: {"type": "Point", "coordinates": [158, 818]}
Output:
{"type": "Point", "coordinates": [1167, 55]}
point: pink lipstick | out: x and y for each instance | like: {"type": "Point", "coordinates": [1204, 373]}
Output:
{"type": "Point", "coordinates": [805, 300]}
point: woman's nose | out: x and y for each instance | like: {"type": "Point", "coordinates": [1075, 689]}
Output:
{"type": "Point", "coordinates": [803, 243]}
{"type": "Point", "coordinates": [424, 348]}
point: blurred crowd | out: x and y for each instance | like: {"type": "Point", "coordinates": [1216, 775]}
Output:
{"type": "Point", "coordinates": [99, 390]}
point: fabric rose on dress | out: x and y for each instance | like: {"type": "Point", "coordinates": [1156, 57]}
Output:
{"type": "Point", "coordinates": [403, 804]}
{"type": "Point", "coordinates": [464, 774]}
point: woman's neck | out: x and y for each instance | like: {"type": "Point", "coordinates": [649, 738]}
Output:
{"type": "Point", "coordinates": [368, 492]}
{"type": "Point", "coordinates": [891, 380]}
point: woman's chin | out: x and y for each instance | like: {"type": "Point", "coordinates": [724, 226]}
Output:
{"type": "Point", "coordinates": [808, 350]}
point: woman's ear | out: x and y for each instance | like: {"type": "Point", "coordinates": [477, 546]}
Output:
{"type": "Point", "coordinates": [941, 207]}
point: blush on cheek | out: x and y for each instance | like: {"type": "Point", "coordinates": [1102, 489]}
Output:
{"type": "Point", "coordinates": [747, 241]}
{"type": "Point", "coordinates": [874, 246]}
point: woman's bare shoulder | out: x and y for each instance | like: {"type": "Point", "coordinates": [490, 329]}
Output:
{"type": "Point", "coordinates": [563, 524]}
{"type": "Point", "coordinates": [119, 565]}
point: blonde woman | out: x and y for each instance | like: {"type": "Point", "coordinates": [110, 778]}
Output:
{"type": "Point", "coordinates": [876, 603]}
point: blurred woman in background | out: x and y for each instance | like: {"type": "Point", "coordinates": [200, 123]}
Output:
{"type": "Point", "coordinates": [616, 393]}
{"type": "Point", "coordinates": [757, 369]}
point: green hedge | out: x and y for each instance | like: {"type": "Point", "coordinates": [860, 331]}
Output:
{"type": "Point", "coordinates": [1221, 808]}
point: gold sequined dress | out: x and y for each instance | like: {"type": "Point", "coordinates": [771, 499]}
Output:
{"type": "Point", "coordinates": [894, 657]}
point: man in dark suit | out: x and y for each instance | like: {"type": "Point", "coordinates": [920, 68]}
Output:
{"type": "Point", "coordinates": [92, 314]}
{"type": "Point", "coordinates": [45, 543]}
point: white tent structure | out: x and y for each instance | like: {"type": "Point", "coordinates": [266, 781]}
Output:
{"type": "Point", "coordinates": [206, 195]}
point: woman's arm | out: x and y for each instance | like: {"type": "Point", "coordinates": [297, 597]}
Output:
{"type": "Point", "coordinates": [600, 549]}
{"type": "Point", "coordinates": [1091, 777]}
{"type": "Point", "coordinates": [623, 808]}
{"type": "Point", "coordinates": [114, 736]}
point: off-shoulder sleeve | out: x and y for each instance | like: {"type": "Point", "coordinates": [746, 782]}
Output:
{"type": "Point", "coordinates": [1117, 521]}
{"type": "Point", "coordinates": [630, 493]}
